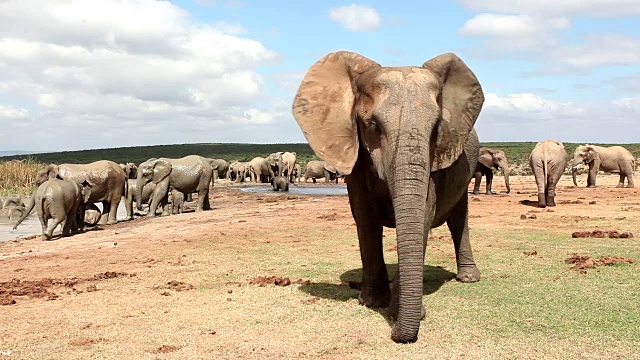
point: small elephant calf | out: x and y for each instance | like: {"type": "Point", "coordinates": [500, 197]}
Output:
{"type": "Point", "coordinates": [177, 201]}
{"type": "Point", "coordinates": [279, 183]}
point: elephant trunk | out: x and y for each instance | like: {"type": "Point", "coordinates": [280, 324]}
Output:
{"type": "Point", "coordinates": [574, 171]}
{"type": "Point", "coordinates": [505, 172]}
{"type": "Point", "coordinates": [409, 186]}
{"type": "Point", "coordinates": [140, 183]}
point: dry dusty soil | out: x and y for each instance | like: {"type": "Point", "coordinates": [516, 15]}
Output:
{"type": "Point", "coordinates": [274, 275]}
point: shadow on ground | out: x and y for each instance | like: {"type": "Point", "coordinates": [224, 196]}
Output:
{"type": "Point", "coordinates": [529, 203]}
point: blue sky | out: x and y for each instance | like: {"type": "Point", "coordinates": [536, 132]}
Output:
{"type": "Point", "coordinates": [106, 73]}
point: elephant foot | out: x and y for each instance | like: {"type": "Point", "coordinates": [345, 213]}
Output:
{"type": "Point", "coordinates": [542, 201]}
{"type": "Point", "coordinates": [630, 186]}
{"type": "Point", "coordinates": [620, 185]}
{"type": "Point", "coordinates": [468, 274]}
{"type": "Point", "coordinates": [378, 297]}
{"type": "Point", "coordinates": [476, 192]}
{"type": "Point", "coordinates": [551, 201]}
{"type": "Point", "coordinates": [111, 222]}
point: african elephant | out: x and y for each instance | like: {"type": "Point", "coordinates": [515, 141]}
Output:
{"type": "Point", "coordinates": [280, 183]}
{"type": "Point", "coordinates": [219, 168]}
{"type": "Point", "coordinates": [12, 200]}
{"type": "Point", "coordinates": [317, 169]}
{"type": "Point", "coordinates": [289, 163]}
{"type": "Point", "coordinates": [91, 215]}
{"type": "Point", "coordinates": [130, 170]}
{"type": "Point", "coordinates": [188, 174]}
{"type": "Point", "coordinates": [177, 201]}
{"type": "Point", "coordinates": [263, 169]}
{"type": "Point", "coordinates": [295, 174]}
{"type": "Point", "coordinates": [107, 180]}
{"type": "Point", "coordinates": [491, 158]}
{"type": "Point", "coordinates": [404, 138]}
{"type": "Point", "coordinates": [61, 201]}
{"type": "Point", "coordinates": [12, 212]}
{"type": "Point", "coordinates": [608, 159]}
{"type": "Point", "coordinates": [547, 160]}
{"type": "Point", "coordinates": [147, 196]}
{"type": "Point", "coordinates": [238, 171]}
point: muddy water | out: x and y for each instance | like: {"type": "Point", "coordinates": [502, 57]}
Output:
{"type": "Point", "coordinates": [31, 225]}
{"type": "Point", "coordinates": [302, 190]}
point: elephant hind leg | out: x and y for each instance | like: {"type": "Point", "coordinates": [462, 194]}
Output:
{"type": "Point", "coordinates": [48, 234]}
{"type": "Point", "coordinates": [630, 180]}
{"type": "Point", "coordinates": [478, 179]}
{"type": "Point", "coordinates": [621, 181]}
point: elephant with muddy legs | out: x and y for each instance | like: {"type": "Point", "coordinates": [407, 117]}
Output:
{"type": "Point", "coordinates": [219, 168]}
{"type": "Point", "coordinates": [147, 196]}
{"type": "Point", "coordinates": [487, 159]}
{"type": "Point", "coordinates": [107, 180]}
{"type": "Point", "coordinates": [238, 171]}
{"type": "Point", "coordinates": [61, 201]}
{"type": "Point", "coordinates": [547, 160]}
{"type": "Point", "coordinates": [295, 174]}
{"type": "Point", "coordinates": [177, 201]}
{"type": "Point", "coordinates": [608, 159]}
{"type": "Point", "coordinates": [263, 169]}
{"type": "Point", "coordinates": [188, 174]}
{"type": "Point", "coordinates": [289, 162]}
{"type": "Point", "coordinates": [317, 169]}
{"type": "Point", "coordinates": [404, 138]}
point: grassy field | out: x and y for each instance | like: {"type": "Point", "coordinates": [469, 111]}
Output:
{"type": "Point", "coordinates": [17, 177]}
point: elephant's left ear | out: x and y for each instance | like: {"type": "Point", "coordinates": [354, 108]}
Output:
{"type": "Point", "coordinates": [486, 159]}
{"type": "Point", "coordinates": [161, 169]}
{"type": "Point", "coordinates": [462, 100]}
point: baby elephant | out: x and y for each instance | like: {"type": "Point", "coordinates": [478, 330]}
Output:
{"type": "Point", "coordinates": [61, 201]}
{"type": "Point", "coordinates": [177, 201]}
{"type": "Point", "coordinates": [279, 183]}
{"type": "Point", "coordinates": [12, 212]}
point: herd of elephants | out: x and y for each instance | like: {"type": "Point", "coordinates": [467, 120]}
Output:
{"type": "Point", "coordinates": [402, 138]}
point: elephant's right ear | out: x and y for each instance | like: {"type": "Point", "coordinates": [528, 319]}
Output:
{"type": "Point", "coordinates": [323, 107]}
{"type": "Point", "coordinates": [486, 159]}
{"type": "Point", "coordinates": [161, 169]}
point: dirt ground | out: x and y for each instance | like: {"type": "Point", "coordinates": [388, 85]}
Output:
{"type": "Point", "coordinates": [188, 286]}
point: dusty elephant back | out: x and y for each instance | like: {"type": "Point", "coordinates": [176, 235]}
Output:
{"type": "Point", "coordinates": [314, 168]}
{"type": "Point", "coordinates": [104, 176]}
{"type": "Point", "coordinates": [187, 172]}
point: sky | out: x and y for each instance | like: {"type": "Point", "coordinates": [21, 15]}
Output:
{"type": "Point", "coordinates": [84, 74]}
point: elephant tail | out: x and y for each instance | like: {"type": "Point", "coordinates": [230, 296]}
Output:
{"type": "Point", "coordinates": [125, 193]}
{"type": "Point", "coordinates": [545, 172]}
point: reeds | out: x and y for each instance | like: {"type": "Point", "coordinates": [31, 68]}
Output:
{"type": "Point", "coordinates": [18, 176]}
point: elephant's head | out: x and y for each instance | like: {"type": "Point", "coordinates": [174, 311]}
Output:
{"type": "Point", "coordinates": [154, 170]}
{"type": "Point", "coordinates": [409, 121]}
{"type": "Point", "coordinates": [274, 160]}
{"type": "Point", "coordinates": [498, 159]}
{"type": "Point", "coordinates": [131, 170]}
{"type": "Point", "coordinates": [49, 172]}
{"type": "Point", "coordinates": [584, 154]}
{"type": "Point", "coordinates": [85, 191]}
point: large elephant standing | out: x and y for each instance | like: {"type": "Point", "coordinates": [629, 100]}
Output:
{"type": "Point", "coordinates": [547, 160]}
{"type": "Point", "coordinates": [404, 138]}
{"type": "Point", "coordinates": [106, 178]}
{"type": "Point", "coordinates": [263, 169]}
{"type": "Point", "coordinates": [289, 162]}
{"type": "Point", "coordinates": [608, 159]}
{"type": "Point", "coordinates": [316, 169]}
{"type": "Point", "coordinates": [130, 170]}
{"type": "Point", "coordinates": [61, 201]}
{"type": "Point", "coordinates": [491, 158]}
{"type": "Point", "coordinates": [147, 197]}
{"type": "Point", "coordinates": [219, 168]}
{"type": "Point", "coordinates": [188, 174]}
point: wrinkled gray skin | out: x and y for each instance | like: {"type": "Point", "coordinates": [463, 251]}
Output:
{"type": "Point", "coordinates": [106, 178]}
{"type": "Point", "coordinates": [289, 162]}
{"type": "Point", "coordinates": [219, 168]}
{"type": "Point", "coordinates": [404, 138]}
{"type": "Point", "coordinates": [147, 194]}
{"type": "Point", "coordinates": [263, 169]}
{"type": "Point", "coordinates": [317, 169]}
{"type": "Point", "coordinates": [130, 170]}
{"type": "Point", "coordinates": [177, 201]}
{"type": "Point", "coordinates": [280, 183]}
{"type": "Point", "coordinates": [12, 212]}
{"type": "Point", "coordinates": [61, 201]}
{"type": "Point", "coordinates": [238, 171]}
{"type": "Point", "coordinates": [92, 215]}
{"type": "Point", "coordinates": [188, 174]}
{"type": "Point", "coordinates": [547, 161]}
{"type": "Point", "coordinates": [614, 159]}
{"type": "Point", "coordinates": [491, 158]}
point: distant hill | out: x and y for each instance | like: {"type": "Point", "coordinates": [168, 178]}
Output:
{"type": "Point", "coordinates": [517, 152]}
{"type": "Point", "coordinates": [14, 152]}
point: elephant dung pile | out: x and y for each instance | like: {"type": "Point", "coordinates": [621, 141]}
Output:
{"type": "Point", "coordinates": [581, 263]}
{"type": "Point", "coordinates": [276, 280]}
{"type": "Point", "coordinates": [612, 234]}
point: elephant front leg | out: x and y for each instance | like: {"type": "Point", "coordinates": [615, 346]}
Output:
{"type": "Point", "coordinates": [489, 182]}
{"type": "Point", "coordinates": [630, 180]}
{"type": "Point", "coordinates": [374, 289]}
{"type": "Point", "coordinates": [458, 224]}
{"type": "Point", "coordinates": [160, 192]}
{"type": "Point", "coordinates": [128, 205]}
{"type": "Point", "coordinates": [106, 211]}
{"type": "Point", "coordinates": [113, 210]}
{"type": "Point", "coordinates": [478, 179]}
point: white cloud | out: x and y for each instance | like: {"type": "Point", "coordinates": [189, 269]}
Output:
{"type": "Point", "coordinates": [529, 117]}
{"type": "Point", "coordinates": [511, 25]}
{"type": "Point", "coordinates": [95, 73]}
{"type": "Point", "coordinates": [605, 49]}
{"type": "Point", "coordinates": [605, 8]}
{"type": "Point", "coordinates": [356, 17]}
